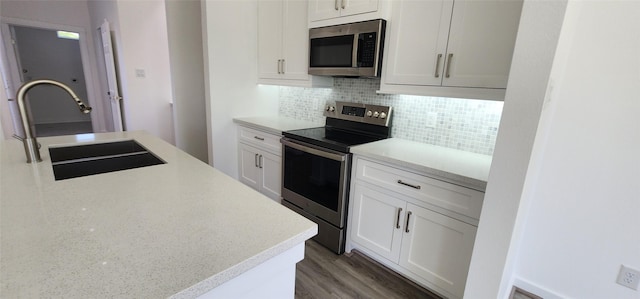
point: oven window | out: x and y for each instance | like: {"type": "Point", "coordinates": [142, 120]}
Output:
{"type": "Point", "coordinates": [314, 177]}
{"type": "Point", "coordinates": [331, 51]}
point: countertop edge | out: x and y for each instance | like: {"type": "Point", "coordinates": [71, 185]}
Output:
{"type": "Point", "coordinates": [219, 279]}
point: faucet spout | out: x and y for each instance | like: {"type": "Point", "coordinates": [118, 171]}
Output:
{"type": "Point", "coordinates": [31, 147]}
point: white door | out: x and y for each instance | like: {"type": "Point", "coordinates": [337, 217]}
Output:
{"type": "Point", "coordinates": [377, 221]}
{"type": "Point", "coordinates": [271, 170]}
{"type": "Point", "coordinates": [270, 21]}
{"type": "Point", "coordinates": [417, 42]}
{"type": "Point", "coordinates": [437, 248]}
{"type": "Point", "coordinates": [354, 7]}
{"type": "Point", "coordinates": [481, 42]}
{"type": "Point", "coordinates": [249, 171]}
{"type": "Point", "coordinates": [295, 41]}
{"type": "Point", "coordinates": [112, 80]}
{"type": "Point", "coordinates": [323, 9]}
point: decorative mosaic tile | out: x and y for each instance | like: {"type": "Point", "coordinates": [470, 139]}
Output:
{"type": "Point", "coordinates": [468, 125]}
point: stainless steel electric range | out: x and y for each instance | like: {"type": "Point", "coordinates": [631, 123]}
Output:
{"type": "Point", "coordinates": [316, 166]}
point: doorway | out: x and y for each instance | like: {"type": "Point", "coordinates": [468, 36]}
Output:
{"type": "Point", "coordinates": [52, 54]}
{"type": "Point", "coordinates": [35, 50]}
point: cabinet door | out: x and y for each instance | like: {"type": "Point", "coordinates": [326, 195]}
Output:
{"type": "Point", "coordinates": [295, 41]}
{"type": "Point", "coordinates": [270, 20]}
{"type": "Point", "coordinates": [271, 170]}
{"type": "Point", "coordinates": [249, 171]}
{"type": "Point", "coordinates": [377, 221]}
{"type": "Point", "coordinates": [417, 42]}
{"type": "Point", "coordinates": [354, 7]}
{"type": "Point", "coordinates": [323, 9]}
{"type": "Point", "coordinates": [437, 248]}
{"type": "Point", "coordinates": [481, 41]}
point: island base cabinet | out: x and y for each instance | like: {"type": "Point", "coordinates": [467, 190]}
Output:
{"type": "Point", "coordinates": [274, 278]}
{"type": "Point", "coordinates": [437, 248]}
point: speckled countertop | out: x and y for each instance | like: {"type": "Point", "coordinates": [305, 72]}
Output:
{"type": "Point", "coordinates": [275, 125]}
{"type": "Point", "coordinates": [174, 230]}
{"type": "Point", "coordinates": [459, 167]}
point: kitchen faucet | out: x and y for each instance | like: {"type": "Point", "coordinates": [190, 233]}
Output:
{"type": "Point", "coordinates": [31, 146]}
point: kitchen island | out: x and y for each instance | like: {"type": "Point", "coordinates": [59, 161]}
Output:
{"type": "Point", "coordinates": [180, 229]}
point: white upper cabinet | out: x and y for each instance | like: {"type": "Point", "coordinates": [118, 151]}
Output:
{"type": "Point", "coordinates": [283, 45]}
{"type": "Point", "coordinates": [329, 9]}
{"type": "Point", "coordinates": [334, 12]}
{"type": "Point", "coordinates": [463, 47]}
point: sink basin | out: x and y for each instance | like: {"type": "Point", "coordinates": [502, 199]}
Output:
{"type": "Point", "coordinates": [82, 160]}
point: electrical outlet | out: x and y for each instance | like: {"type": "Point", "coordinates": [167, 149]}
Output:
{"type": "Point", "coordinates": [628, 277]}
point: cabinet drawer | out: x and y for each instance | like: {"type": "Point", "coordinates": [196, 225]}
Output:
{"type": "Point", "coordinates": [461, 200]}
{"type": "Point", "coordinates": [261, 139]}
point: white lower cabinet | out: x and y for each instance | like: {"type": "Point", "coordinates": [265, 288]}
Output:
{"type": "Point", "coordinates": [258, 164]}
{"type": "Point", "coordinates": [407, 234]}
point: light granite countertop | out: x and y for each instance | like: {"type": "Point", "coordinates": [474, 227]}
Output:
{"type": "Point", "coordinates": [455, 166]}
{"type": "Point", "coordinates": [276, 124]}
{"type": "Point", "coordinates": [174, 230]}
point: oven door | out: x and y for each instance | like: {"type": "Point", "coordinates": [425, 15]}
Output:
{"type": "Point", "coordinates": [316, 180]}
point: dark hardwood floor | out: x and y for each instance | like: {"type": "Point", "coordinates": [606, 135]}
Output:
{"type": "Point", "coordinates": [322, 274]}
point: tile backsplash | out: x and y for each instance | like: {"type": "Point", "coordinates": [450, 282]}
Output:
{"type": "Point", "coordinates": [468, 125]}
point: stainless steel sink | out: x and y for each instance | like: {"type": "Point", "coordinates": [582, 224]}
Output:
{"type": "Point", "coordinates": [82, 160]}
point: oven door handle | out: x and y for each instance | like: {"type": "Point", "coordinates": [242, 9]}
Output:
{"type": "Point", "coordinates": [313, 151]}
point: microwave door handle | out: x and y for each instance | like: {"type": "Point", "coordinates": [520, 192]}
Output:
{"type": "Point", "coordinates": [355, 56]}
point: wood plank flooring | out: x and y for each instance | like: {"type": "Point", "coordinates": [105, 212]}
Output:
{"type": "Point", "coordinates": [322, 274]}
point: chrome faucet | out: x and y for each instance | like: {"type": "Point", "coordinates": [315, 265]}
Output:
{"type": "Point", "coordinates": [31, 146]}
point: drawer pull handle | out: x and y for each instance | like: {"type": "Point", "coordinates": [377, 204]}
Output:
{"type": "Point", "coordinates": [259, 138]}
{"type": "Point", "coordinates": [255, 160]}
{"type": "Point", "coordinates": [406, 225]}
{"type": "Point", "coordinates": [398, 218]}
{"type": "Point", "coordinates": [260, 162]}
{"type": "Point", "coordinates": [437, 75]}
{"type": "Point", "coordinates": [409, 185]}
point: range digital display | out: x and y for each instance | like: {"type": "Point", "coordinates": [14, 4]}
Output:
{"type": "Point", "coordinates": [354, 111]}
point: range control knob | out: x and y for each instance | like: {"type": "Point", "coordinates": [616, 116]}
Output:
{"type": "Point", "coordinates": [375, 114]}
{"type": "Point", "coordinates": [369, 113]}
{"type": "Point", "coordinates": [332, 108]}
{"type": "Point", "coordinates": [383, 115]}
{"type": "Point", "coordinates": [326, 107]}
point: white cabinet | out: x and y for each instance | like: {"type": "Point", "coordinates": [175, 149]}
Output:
{"type": "Point", "coordinates": [283, 45]}
{"type": "Point", "coordinates": [328, 9]}
{"type": "Point", "coordinates": [334, 12]}
{"type": "Point", "coordinates": [260, 161]}
{"type": "Point", "coordinates": [405, 221]}
{"type": "Point", "coordinates": [454, 45]}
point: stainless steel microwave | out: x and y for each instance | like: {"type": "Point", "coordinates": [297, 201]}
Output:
{"type": "Point", "coordinates": [347, 50]}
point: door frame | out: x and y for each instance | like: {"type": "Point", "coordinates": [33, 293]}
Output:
{"type": "Point", "coordinates": [14, 81]}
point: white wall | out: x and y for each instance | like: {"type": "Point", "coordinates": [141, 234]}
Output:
{"type": "Point", "coordinates": [184, 27]}
{"type": "Point", "coordinates": [230, 32]}
{"type": "Point", "coordinates": [143, 45]}
{"type": "Point", "coordinates": [584, 208]}
{"type": "Point", "coordinates": [491, 262]}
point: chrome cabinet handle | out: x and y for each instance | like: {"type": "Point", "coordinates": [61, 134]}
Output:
{"type": "Point", "coordinates": [282, 64]}
{"type": "Point", "coordinates": [260, 162]}
{"type": "Point", "coordinates": [255, 160]}
{"type": "Point", "coordinates": [437, 74]}
{"type": "Point", "coordinates": [406, 225]}
{"type": "Point", "coordinates": [448, 68]}
{"type": "Point", "coordinates": [279, 66]}
{"type": "Point", "coordinates": [336, 5]}
{"type": "Point", "coordinates": [398, 218]}
{"type": "Point", "coordinates": [409, 185]}
{"type": "Point", "coordinates": [344, 4]}
{"type": "Point", "coordinates": [259, 138]}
